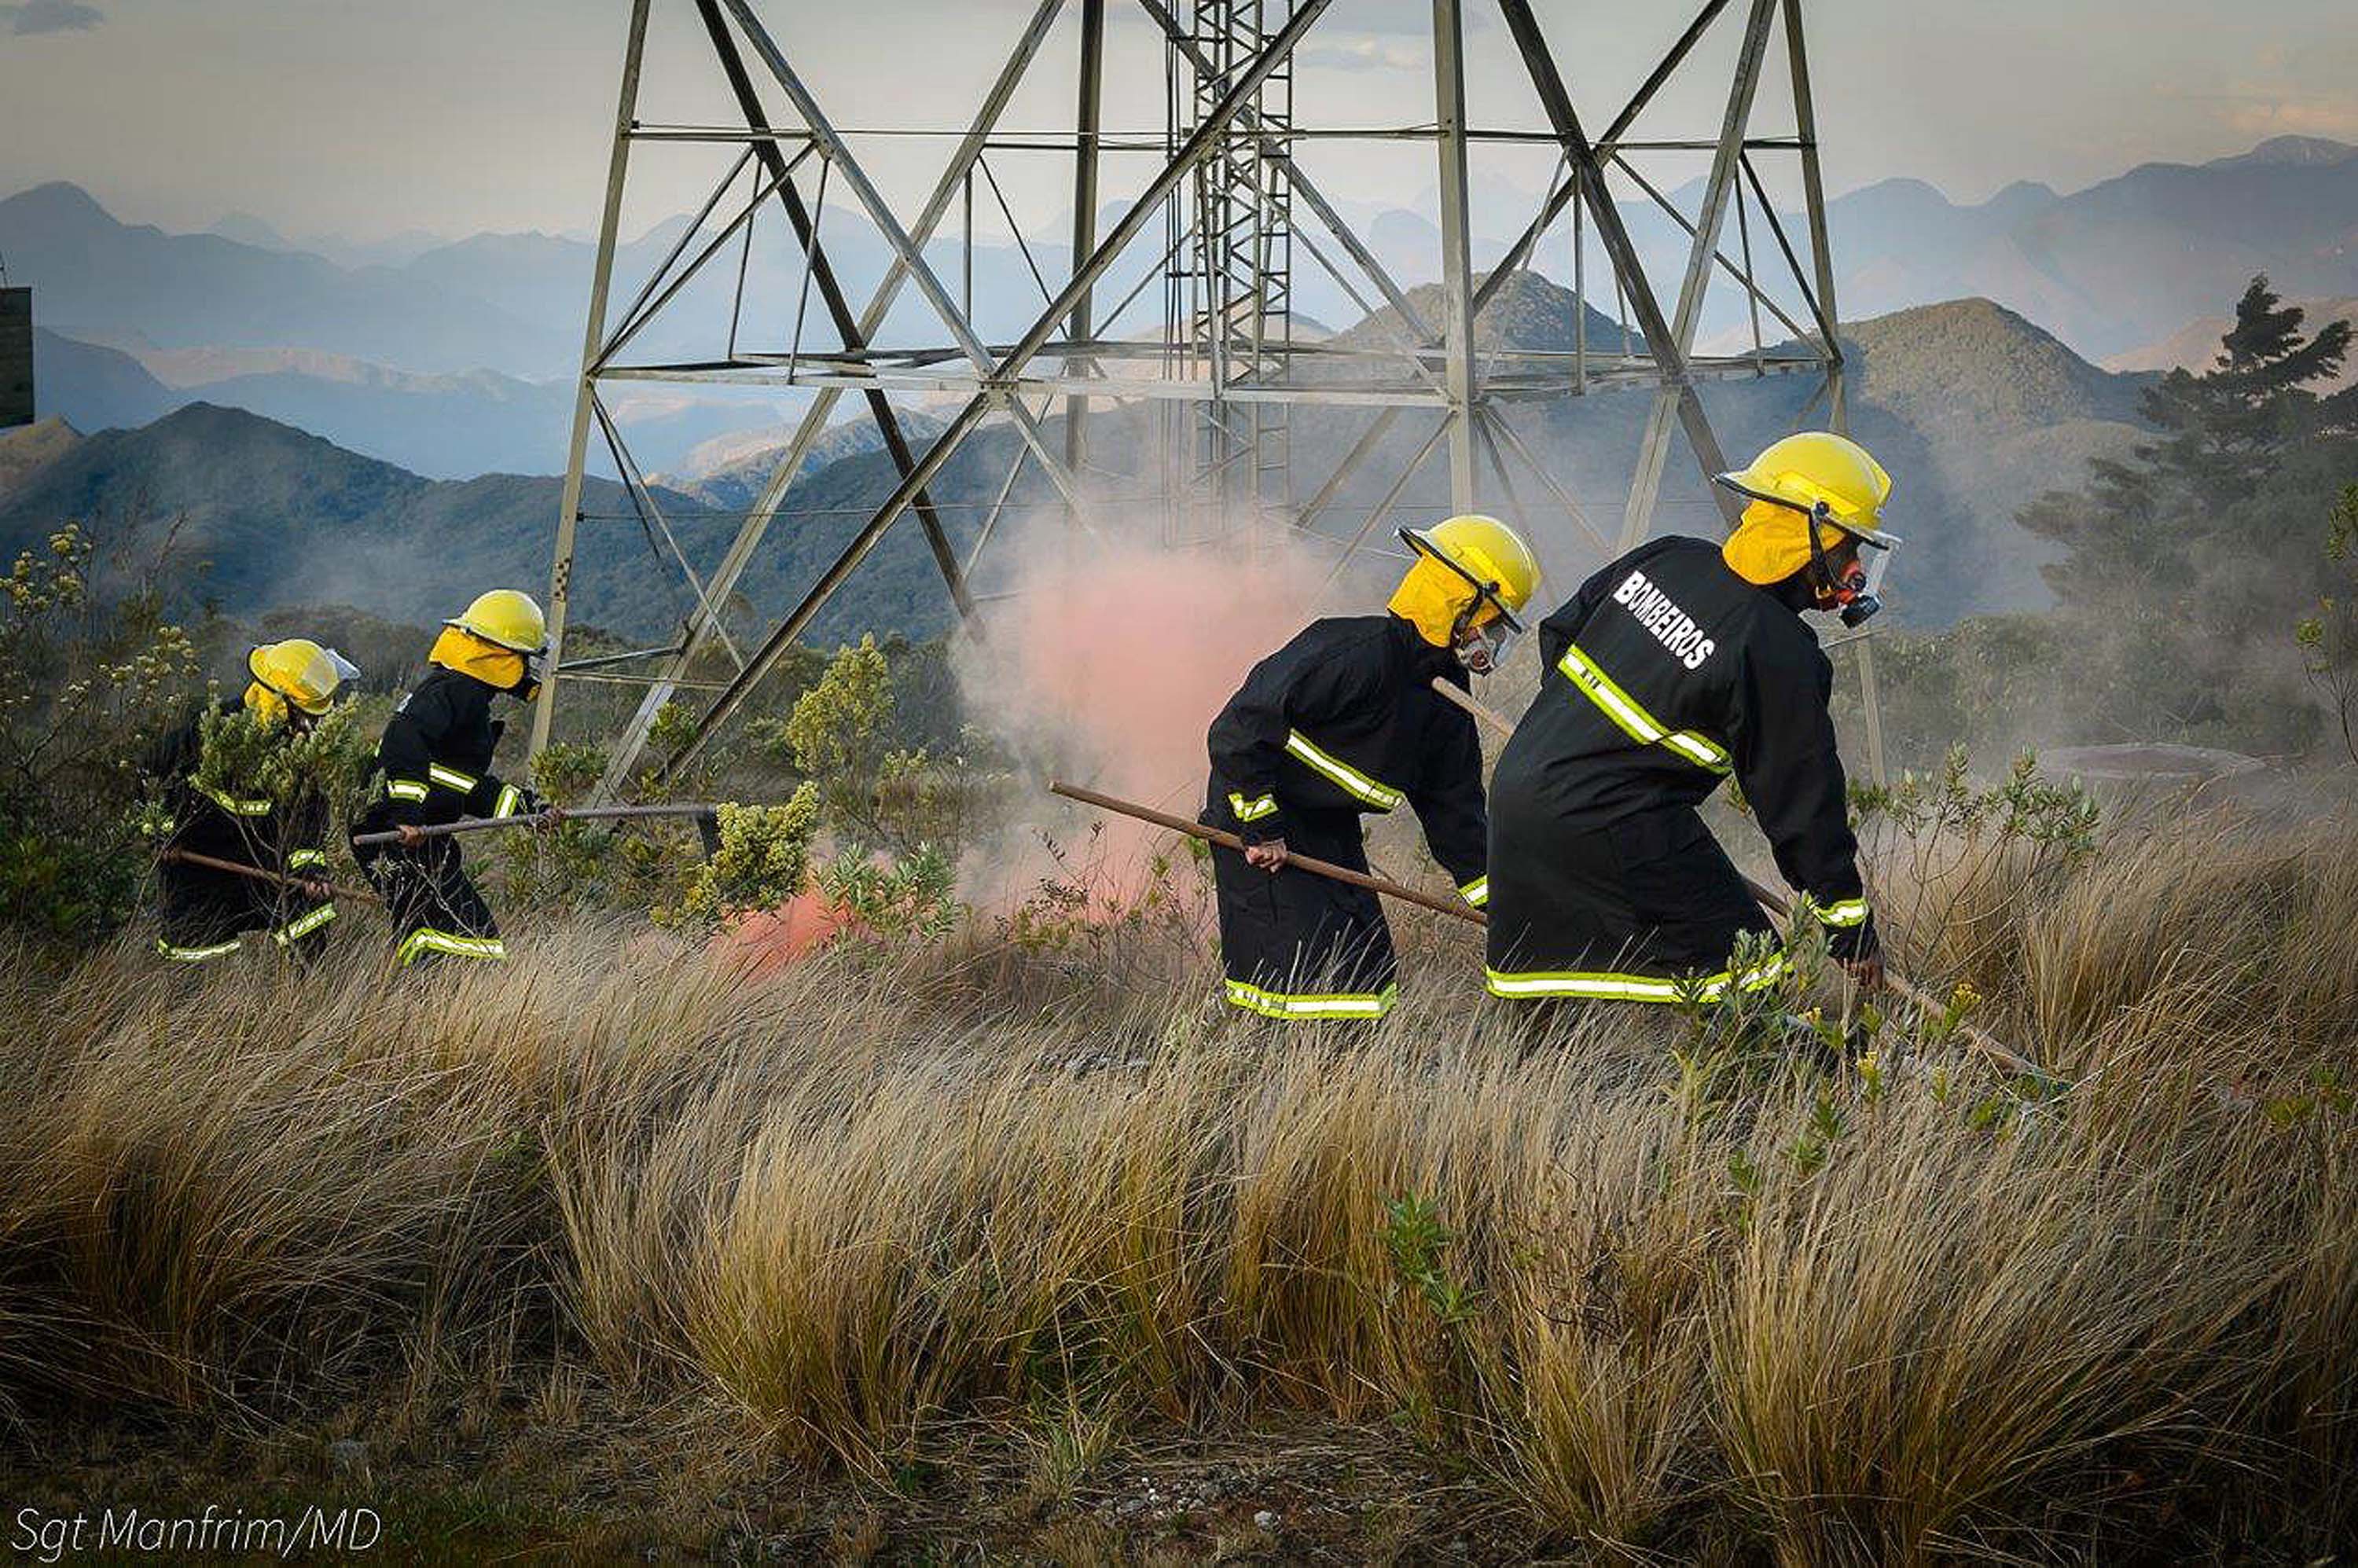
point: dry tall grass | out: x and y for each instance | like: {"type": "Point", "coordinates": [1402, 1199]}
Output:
{"type": "Point", "coordinates": [1906, 1313]}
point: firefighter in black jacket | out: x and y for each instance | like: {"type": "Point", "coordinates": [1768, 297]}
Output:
{"type": "Point", "coordinates": [1341, 721]}
{"type": "Point", "coordinates": [435, 762]}
{"type": "Point", "coordinates": [1682, 664]}
{"type": "Point", "coordinates": [203, 911]}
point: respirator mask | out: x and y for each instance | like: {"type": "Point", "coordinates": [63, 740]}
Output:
{"type": "Point", "coordinates": [1482, 649]}
{"type": "Point", "coordinates": [1855, 589]}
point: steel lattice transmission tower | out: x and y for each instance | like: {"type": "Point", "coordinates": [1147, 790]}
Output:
{"type": "Point", "coordinates": [1212, 396]}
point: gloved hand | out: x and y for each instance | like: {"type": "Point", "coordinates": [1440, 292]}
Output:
{"type": "Point", "coordinates": [530, 803]}
{"type": "Point", "coordinates": [1859, 951]}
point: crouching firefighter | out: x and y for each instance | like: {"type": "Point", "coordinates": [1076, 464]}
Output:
{"type": "Point", "coordinates": [1341, 721]}
{"type": "Point", "coordinates": [434, 764]}
{"type": "Point", "coordinates": [1680, 664]}
{"type": "Point", "coordinates": [204, 911]}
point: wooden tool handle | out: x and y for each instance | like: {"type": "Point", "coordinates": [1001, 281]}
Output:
{"type": "Point", "coordinates": [1315, 867]}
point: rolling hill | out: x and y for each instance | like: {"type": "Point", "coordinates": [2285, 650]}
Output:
{"type": "Point", "coordinates": [1973, 409]}
{"type": "Point", "coordinates": [263, 515]}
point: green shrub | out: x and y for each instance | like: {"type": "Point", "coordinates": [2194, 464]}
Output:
{"type": "Point", "coordinates": [88, 682]}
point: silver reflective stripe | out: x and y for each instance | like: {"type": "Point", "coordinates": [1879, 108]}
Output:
{"type": "Point", "coordinates": [296, 929]}
{"type": "Point", "coordinates": [449, 778]}
{"type": "Point", "coordinates": [1604, 985]}
{"type": "Point", "coordinates": [1631, 714]}
{"type": "Point", "coordinates": [1312, 1004]}
{"type": "Point", "coordinates": [1843, 912]}
{"type": "Point", "coordinates": [404, 789]}
{"type": "Point", "coordinates": [235, 805]}
{"type": "Point", "coordinates": [1251, 810]}
{"type": "Point", "coordinates": [509, 797]}
{"type": "Point", "coordinates": [307, 858]}
{"type": "Point", "coordinates": [194, 954]}
{"type": "Point", "coordinates": [426, 939]}
{"type": "Point", "coordinates": [1475, 893]}
{"type": "Point", "coordinates": [1341, 774]}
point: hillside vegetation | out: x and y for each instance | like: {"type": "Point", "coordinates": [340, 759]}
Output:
{"type": "Point", "coordinates": [1004, 1242]}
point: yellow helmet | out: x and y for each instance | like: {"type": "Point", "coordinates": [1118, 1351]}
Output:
{"type": "Point", "coordinates": [1472, 568]}
{"type": "Point", "coordinates": [300, 672]}
{"type": "Point", "coordinates": [1814, 482]}
{"type": "Point", "coordinates": [507, 616]}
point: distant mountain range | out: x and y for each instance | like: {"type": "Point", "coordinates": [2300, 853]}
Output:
{"type": "Point", "coordinates": [449, 358]}
{"type": "Point", "coordinates": [2122, 263]}
{"type": "Point", "coordinates": [1972, 408]}
{"type": "Point", "coordinates": [448, 425]}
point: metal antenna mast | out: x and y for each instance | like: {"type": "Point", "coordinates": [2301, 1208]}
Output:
{"type": "Point", "coordinates": [1222, 415]}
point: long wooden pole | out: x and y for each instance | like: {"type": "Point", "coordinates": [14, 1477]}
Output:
{"type": "Point", "coordinates": [539, 818]}
{"type": "Point", "coordinates": [1783, 908]}
{"type": "Point", "coordinates": [235, 869]}
{"type": "Point", "coordinates": [1316, 868]}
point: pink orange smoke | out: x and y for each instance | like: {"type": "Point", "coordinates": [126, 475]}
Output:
{"type": "Point", "coordinates": [1110, 664]}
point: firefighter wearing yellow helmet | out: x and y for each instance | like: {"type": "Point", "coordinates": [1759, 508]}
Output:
{"type": "Point", "coordinates": [203, 911]}
{"type": "Point", "coordinates": [434, 766]}
{"type": "Point", "coordinates": [1341, 721]}
{"type": "Point", "coordinates": [1680, 664]}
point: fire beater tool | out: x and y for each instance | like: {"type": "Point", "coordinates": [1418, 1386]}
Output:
{"type": "Point", "coordinates": [1316, 868]}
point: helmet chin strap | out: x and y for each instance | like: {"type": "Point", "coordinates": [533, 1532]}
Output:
{"type": "Point", "coordinates": [1846, 590]}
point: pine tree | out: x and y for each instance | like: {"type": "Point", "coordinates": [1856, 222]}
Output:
{"type": "Point", "coordinates": [2225, 431]}
{"type": "Point", "coordinates": [2144, 534]}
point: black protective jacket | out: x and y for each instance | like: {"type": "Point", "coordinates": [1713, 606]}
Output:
{"type": "Point", "coordinates": [1668, 673]}
{"type": "Point", "coordinates": [251, 830]}
{"type": "Point", "coordinates": [1344, 719]}
{"type": "Point", "coordinates": [436, 756]}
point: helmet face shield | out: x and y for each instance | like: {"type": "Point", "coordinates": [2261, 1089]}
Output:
{"type": "Point", "coordinates": [301, 673]}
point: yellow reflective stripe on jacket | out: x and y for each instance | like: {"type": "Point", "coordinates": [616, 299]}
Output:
{"type": "Point", "coordinates": [450, 778]}
{"type": "Point", "coordinates": [1604, 985]}
{"type": "Point", "coordinates": [235, 805]}
{"type": "Point", "coordinates": [1341, 774]}
{"type": "Point", "coordinates": [1309, 1004]}
{"type": "Point", "coordinates": [307, 858]}
{"type": "Point", "coordinates": [194, 954]}
{"type": "Point", "coordinates": [405, 789]}
{"type": "Point", "coordinates": [510, 799]}
{"type": "Point", "coordinates": [1631, 714]}
{"type": "Point", "coordinates": [1251, 810]}
{"type": "Point", "coordinates": [426, 939]}
{"type": "Point", "coordinates": [1843, 912]}
{"type": "Point", "coordinates": [295, 929]}
{"type": "Point", "coordinates": [1475, 893]}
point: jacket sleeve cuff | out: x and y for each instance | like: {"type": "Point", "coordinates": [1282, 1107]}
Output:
{"type": "Point", "coordinates": [405, 800]}
{"type": "Point", "coordinates": [1259, 819]}
{"type": "Point", "coordinates": [1841, 914]}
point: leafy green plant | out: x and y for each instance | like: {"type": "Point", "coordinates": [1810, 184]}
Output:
{"type": "Point", "coordinates": [880, 788]}
{"type": "Point", "coordinates": [764, 862]}
{"type": "Point", "coordinates": [2025, 805]}
{"type": "Point", "coordinates": [241, 754]}
{"type": "Point", "coordinates": [911, 899]}
{"type": "Point", "coordinates": [1415, 1239]}
{"type": "Point", "coordinates": [92, 672]}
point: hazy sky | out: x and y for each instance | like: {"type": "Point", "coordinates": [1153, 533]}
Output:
{"type": "Point", "coordinates": [366, 118]}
